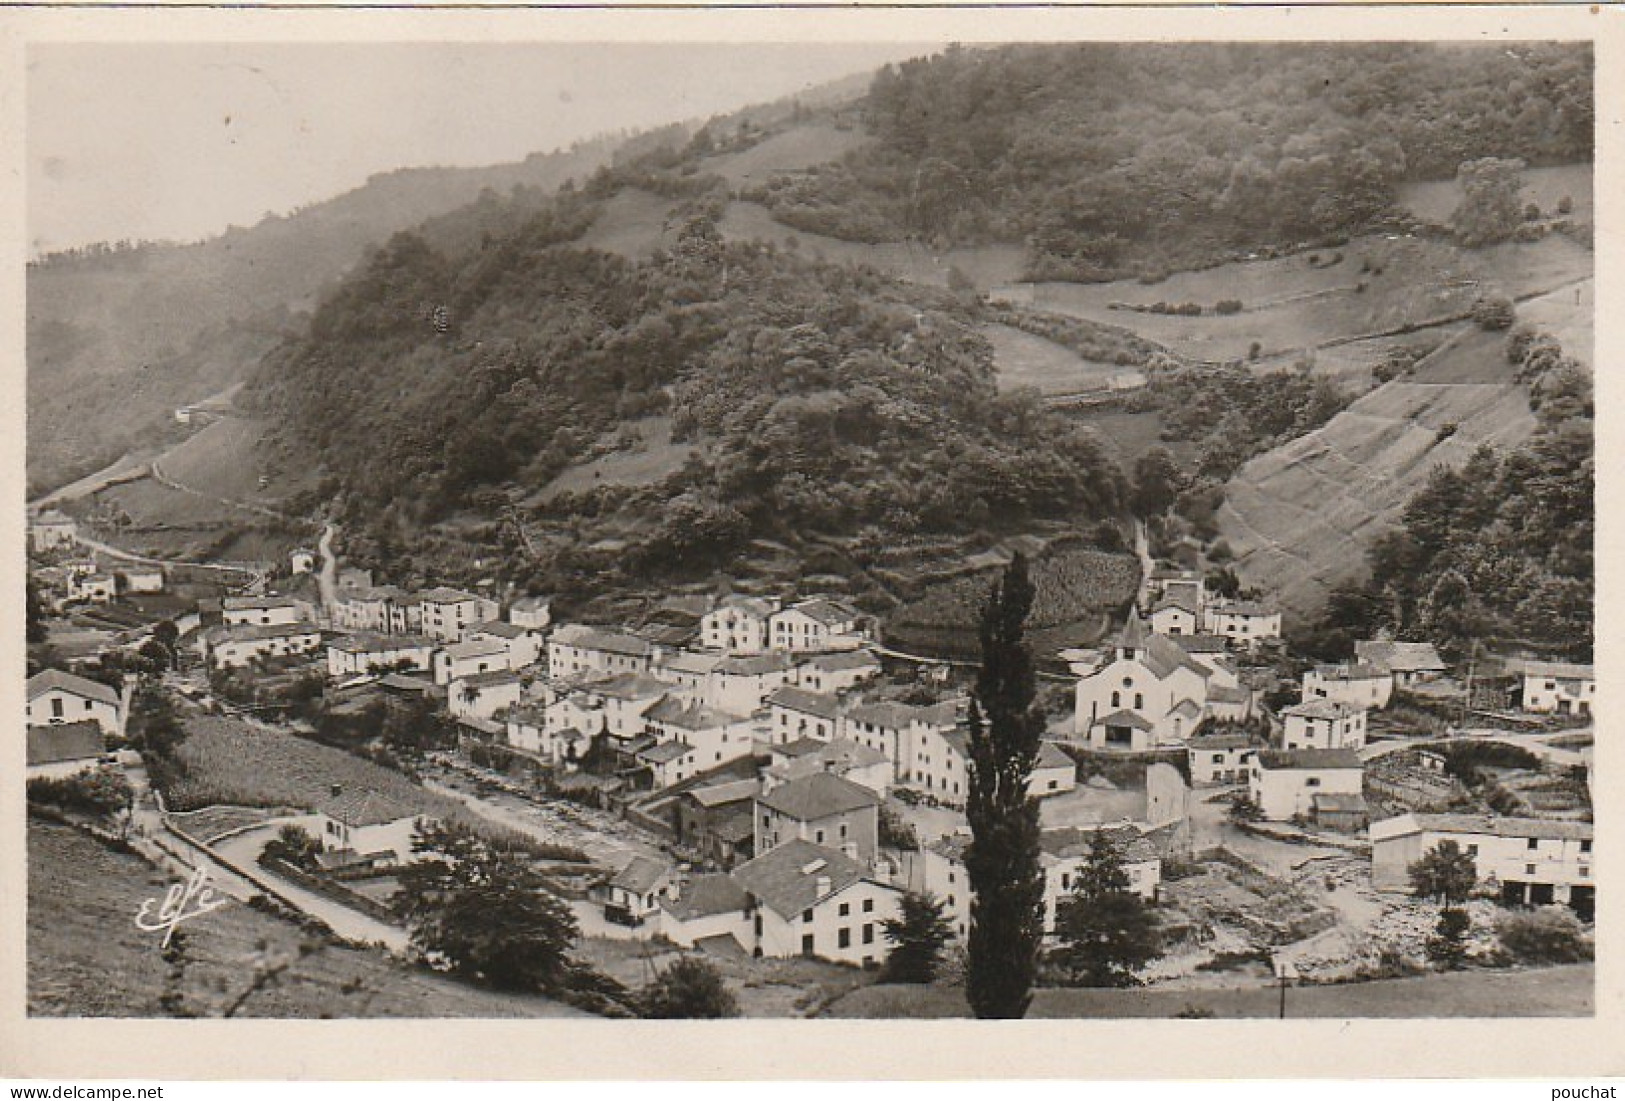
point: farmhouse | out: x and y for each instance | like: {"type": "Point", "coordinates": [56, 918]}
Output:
{"type": "Point", "coordinates": [1351, 683]}
{"type": "Point", "coordinates": [1244, 622]}
{"type": "Point", "coordinates": [1054, 773]}
{"type": "Point", "coordinates": [368, 825]}
{"type": "Point", "coordinates": [1408, 662]}
{"type": "Point", "coordinates": [1533, 861]}
{"type": "Point", "coordinates": [718, 820]}
{"type": "Point", "coordinates": [837, 672]}
{"type": "Point", "coordinates": [740, 684]}
{"type": "Point", "coordinates": [50, 530]}
{"type": "Point", "coordinates": [532, 612]}
{"type": "Point", "coordinates": [814, 625]}
{"type": "Point", "coordinates": [1150, 693]}
{"type": "Point", "coordinates": [484, 695]}
{"type": "Point", "coordinates": [92, 588]}
{"type": "Point", "coordinates": [809, 900]}
{"type": "Point", "coordinates": [58, 698]}
{"type": "Point", "coordinates": [706, 908]}
{"type": "Point", "coordinates": [1284, 782]}
{"type": "Point", "coordinates": [233, 647]}
{"type": "Point", "coordinates": [57, 752]}
{"type": "Point", "coordinates": [633, 895]}
{"type": "Point", "coordinates": [823, 809]}
{"type": "Point", "coordinates": [738, 624]}
{"type": "Point", "coordinates": [448, 613]}
{"type": "Point", "coordinates": [711, 736]}
{"type": "Point", "coordinates": [1323, 724]}
{"type": "Point", "coordinates": [575, 648]}
{"type": "Point", "coordinates": [526, 645]}
{"type": "Point", "coordinates": [847, 759]}
{"type": "Point", "coordinates": [1561, 688]}
{"type": "Point", "coordinates": [464, 659]}
{"type": "Point", "coordinates": [795, 714]}
{"type": "Point", "coordinates": [1217, 759]}
{"type": "Point", "coordinates": [141, 579]}
{"type": "Point", "coordinates": [359, 654]}
{"type": "Point", "coordinates": [1176, 615]}
{"type": "Point", "coordinates": [263, 611]}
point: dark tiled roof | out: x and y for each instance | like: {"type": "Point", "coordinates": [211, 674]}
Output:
{"type": "Point", "coordinates": [1308, 758]}
{"type": "Point", "coordinates": [818, 796]}
{"type": "Point", "coordinates": [665, 752]}
{"type": "Point", "coordinates": [844, 660]}
{"type": "Point", "coordinates": [1124, 718]}
{"type": "Point", "coordinates": [47, 679]}
{"type": "Point", "coordinates": [786, 879]}
{"type": "Point", "coordinates": [1401, 657]}
{"type": "Point", "coordinates": [364, 807]}
{"type": "Point", "coordinates": [716, 795]}
{"type": "Point", "coordinates": [640, 874]}
{"type": "Point", "coordinates": [707, 896]}
{"type": "Point", "coordinates": [81, 741]}
{"type": "Point", "coordinates": [1497, 826]}
{"type": "Point", "coordinates": [811, 703]}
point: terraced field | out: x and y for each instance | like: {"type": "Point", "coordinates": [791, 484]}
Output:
{"type": "Point", "coordinates": [1299, 517]}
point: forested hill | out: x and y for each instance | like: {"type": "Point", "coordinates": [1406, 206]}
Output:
{"type": "Point", "coordinates": [1110, 160]}
{"type": "Point", "coordinates": [809, 399]}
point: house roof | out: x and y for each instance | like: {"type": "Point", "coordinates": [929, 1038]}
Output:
{"type": "Point", "coordinates": [440, 594]}
{"type": "Point", "coordinates": [364, 807]}
{"type": "Point", "coordinates": [476, 648]}
{"type": "Point", "coordinates": [400, 682]}
{"type": "Point", "coordinates": [757, 606]}
{"type": "Point", "coordinates": [80, 741]}
{"type": "Point", "coordinates": [1555, 669]}
{"type": "Point", "coordinates": [1249, 608]}
{"type": "Point", "coordinates": [830, 613]}
{"type": "Point", "coordinates": [1323, 709]}
{"type": "Point", "coordinates": [365, 642]}
{"type": "Point", "coordinates": [1201, 644]}
{"type": "Point", "coordinates": [1071, 841]}
{"type": "Point", "coordinates": [499, 629]}
{"type": "Point", "coordinates": [251, 632]}
{"type": "Point", "coordinates": [531, 604]}
{"type": "Point", "coordinates": [489, 679]}
{"type": "Point", "coordinates": [1401, 657]}
{"type": "Point", "coordinates": [707, 896]}
{"type": "Point", "coordinates": [1185, 602]}
{"type": "Point", "coordinates": [1051, 755]}
{"type": "Point", "coordinates": [1347, 671]}
{"type": "Point", "coordinates": [1548, 829]}
{"type": "Point", "coordinates": [1339, 803]}
{"type": "Point", "coordinates": [1222, 741]}
{"type": "Point", "coordinates": [811, 703]}
{"type": "Point", "coordinates": [839, 754]}
{"type": "Point", "coordinates": [883, 713]}
{"type": "Point", "coordinates": [256, 603]}
{"type": "Point", "coordinates": [1219, 693]}
{"type": "Point", "coordinates": [689, 715]}
{"type": "Point", "coordinates": [1171, 573]}
{"type": "Point", "coordinates": [640, 874]}
{"type": "Point", "coordinates": [753, 665]}
{"type": "Point", "coordinates": [630, 686]}
{"type": "Point", "coordinates": [717, 795]}
{"type": "Point", "coordinates": [687, 661]}
{"type": "Point", "coordinates": [1124, 718]}
{"type": "Point", "coordinates": [51, 517]}
{"type": "Point", "coordinates": [1308, 758]}
{"type": "Point", "coordinates": [664, 752]}
{"type": "Point", "coordinates": [818, 796]}
{"type": "Point", "coordinates": [844, 660]}
{"type": "Point", "coordinates": [786, 879]}
{"type": "Point", "coordinates": [48, 679]}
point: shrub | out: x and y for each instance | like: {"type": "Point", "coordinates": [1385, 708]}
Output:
{"type": "Point", "coordinates": [1448, 946]}
{"type": "Point", "coordinates": [1531, 212]}
{"type": "Point", "coordinates": [1551, 934]}
{"type": "Point", "coordinates": [101, 791]}
{"type": "Point", "coordinates": [1565, 205]}
{"type": "Point", "coordinates": [689, 988]}
{"type": "Point", "coordinates": [1494, 312]}
{"type": "Point", "coordinates": [1254, 350]}
{"type": "Point", "coordinates": [1227, 306]}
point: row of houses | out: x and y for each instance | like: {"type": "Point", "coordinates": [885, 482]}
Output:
{"type": "Point", "coordinates": [756, 624]}
{"type": "Point", "coordinates": [1180, 605]}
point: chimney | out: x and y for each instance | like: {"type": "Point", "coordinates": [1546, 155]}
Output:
{"type": "Point", "coordinates": [821, 886]}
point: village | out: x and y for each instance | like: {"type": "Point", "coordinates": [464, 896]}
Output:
{"type": "Point", "coordinates": [757, 777]}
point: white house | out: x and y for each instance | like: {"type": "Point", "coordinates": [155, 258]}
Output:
{"type": "Point", "coordinates": [1350, 682]}
{"type": "Point", "coordinates": [823, 809]}
{"type": "Point", "coordinates": [712, 737]}
{"type": "Point", "coordinates": [627, 700]}
{"type": "Point", "coordinates": [57, 752]}
{"type": "Point", "coordinates": [814, 625]}
{"type": "Point", "coordinates": [1218, 759]}
{"type": "Point", "coordinates": [835, 672]}
{"type": "Point", "coordinates": [263, 611]}
{"type": "Point", "coordinates": [1533, 861]}
{"type": "Point", "coordinates": [369, 824]}
{"type": "Point", "coordinates": [1054, 773]}
{"type": "Point", "coordinates": [705, 908]}
{"type": "Point", "coordinates": [685, 669]}
{"type": "Point", "coordinates": [1323, 724]}
{"type": "Point", "coordinates": [738, 624]}
{"type": "Point", "coordinates": [484, 695]}
{"type": "Point", "coordinates": [366, 609]}
{"type": "Point", "coordinates": [739, 684]}
{"type": "Point", "coordinates": [92, 588]}
{"type": "Point", "coordinates": [51, 529]}
{"type": "Point", "coordinates": [302, 560]}
{"type": "Point", "coordinates": [634, 894]}
{"type": "Point", "coordinates": [808, 900]}
{"type": "Point", "coordinates": [448, 613]}
{"type": "Point", "coordinates": [936, 761]}
{"type": "Point", "coordinates": [142, 579]}
{"type": "Point", "coordinates": [527, 729]}
{"type": "Point", "coordinates": [465, 659]}
{"type": "Point", "coordinates": [1244, 623]}
{"type": "Point", "coordinates": [847, 759]}
{"type": "Point", "coordinates": [533, 612]}
{"type": "Point", "coordinates": [1284, 782]}
{"type": "Point", "coordinates": [795, 714]}
{"type": "Point", "coordinates": [232, 647]}
{"type": "Point", "coordinates": [575, 648]}
{"type": "Point", "coordinates": [1149, 693]}
{"type": "Point", "coordinates": [359, 654]}
{"type": "Point", "coordinates": [1562, 688]}
{"type": "Point", "coordinates": [1176, 615]}
{"type": "Point", "coordinates": [58, 698]}
{"type": "Point", "coordinates": [1408, 662]}
{"type": "Point", "coordinates": [526, 645]}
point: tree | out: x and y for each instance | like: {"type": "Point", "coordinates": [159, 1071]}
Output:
{"type": "Point", "coordinates": [483, 913]}
{"type": "Point", "coordinates": [35, 611]}
{"type": "Point", "coordinates": [1494, 312]}
{"type": "Point", "coordinates": [1007, 884]}
{"type": "Point", "coordinates": [1551, 934]}
{"type": "Point", "coordinates": [1445, 873]}
{"type": "Point", "coordinates": [917, 939]}
{"type": "Point", "coordinates": [689, 988]}
{"type": "Point", "coordinates": [1157, 482]}
{"type": "Point", "coordinates": [1490, 209]}
{"type": "Point", "coordinates": [1106, 930]}
{"type": "Point", "coordinates": [1448, 945]}
{"type": "Point", "coordinates": [154, 727]}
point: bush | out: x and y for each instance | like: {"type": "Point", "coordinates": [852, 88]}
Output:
{"type": "Point", "coordinates": [1565, 205]}
{"type": "Point", "coordinates": [101, 791]}
{"type": "Point", "coordinates": [1494, 312]}
{"type": "Point", "coordinates": [1227, 306]}
{"type": "Point", "coordinates": [1531, 213]}
{"type": "Point", "coordinates": [689, 988]}
{"type": "Point", "coordinates": [1551, 934]}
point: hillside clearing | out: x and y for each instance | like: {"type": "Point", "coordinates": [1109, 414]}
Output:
{"type": "Point", "coordinates": [652, 460]}
{"type": "Point", "coordinates": [1300, 516]}
{"type": "Point", "coordinates": [1436, 200]}
{"type": "Point", "coordinates": [87, 960]}
{"type": "Point", "coordinates": [1023, 359]}
{"type": "Point", "coordinates": [634, 224]}
{"type": "Point", "coordinates": [792, 150]}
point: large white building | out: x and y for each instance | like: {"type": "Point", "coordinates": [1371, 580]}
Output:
{"type": "Point", "coordinates": [1558, 688]}
{"type": "Point", "coordinates": [1150, 693]}
{"type": "Point", "coordinates": [1323, 724]}
{"type": "Point", "coordinates": [816, 625]}
{"type": "Point", "coordinates": [1285, 782]}
{"type": "Point", "coordinates": [1531, 860]}
{"type": "Point", "coordinates": [809, 900]}
{"type": "Point", "coordinates": [1352, 683]}
{"type": "Point", "coordinates": [58, 698]}
{"type": "Point", "coordinates": [738, 624]}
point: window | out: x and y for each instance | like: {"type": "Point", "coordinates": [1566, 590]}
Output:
{"type": "Point", "coordinates": [843, 938]}
{"type": "Point", "coordinates": [1585, 870]}
{"type": "Point", "coordinates": [56, 707]}
{"type": "Point", "coordinates": [1534, 842]}
{"type": "Point", "coordinates": [843, 830]}
{"type": "Point", "coordinates": [868, 934]}
{"type": "Point", "coordinates": [807, 944]}
{"type": "Point", "coordinates": [1218, 758]}
{"type": "Point", "coordinates": [1528, 869]}
{"type": "Point", "coordinates": [1117, 699]}
{"type": "Point", "coordinates": [806, 917]}
{"type": "Point", "coordinates": [1139, 701]}
{"type": "Point", "coordinates": [1585, 846]}
{"type": "Point", "coordinates": [1066, 881]}
{"type": "Point", "coordinates": [819, 836]}
{"type": "Point", "coordinates": [868, 905]}
{"type": "Point", "coordinates": [1312, 782]}
{"type": "Point", "coordinates": [846, 908]}
{"type": "Point", "coordinates": [1472, 850]}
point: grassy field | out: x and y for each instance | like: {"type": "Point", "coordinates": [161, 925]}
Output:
{"type": "Point", "coordinates": [1023, 359]}
{"type": "Point", "coordinates": [654, 460]}
{"type": "Point", "coordinates": [1547, 992]}
{"type": "Point", "coordinates": [1434, 200]}
{"type": "Point", "coordinates": [87, 959]}
{"type": "Point", "coordinates": [792, 150]}
{"type": "Point", "coordinates": [633, 224]}
{"type": "Point", "coordinates": [1298, 517]}
{"type": "Point", "coordinates": [1291, 303]}
{"type": "Point", "coordinates": [1566, 314]}
{"type": "Point", "coordinates": [1127, 436]}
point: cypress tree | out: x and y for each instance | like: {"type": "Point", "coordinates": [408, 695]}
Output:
{"type": "Point", "coordinates": [1007, 884]}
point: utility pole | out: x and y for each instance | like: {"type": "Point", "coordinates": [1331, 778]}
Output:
{"type": "Point", "coordinates": [1285, 972]}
